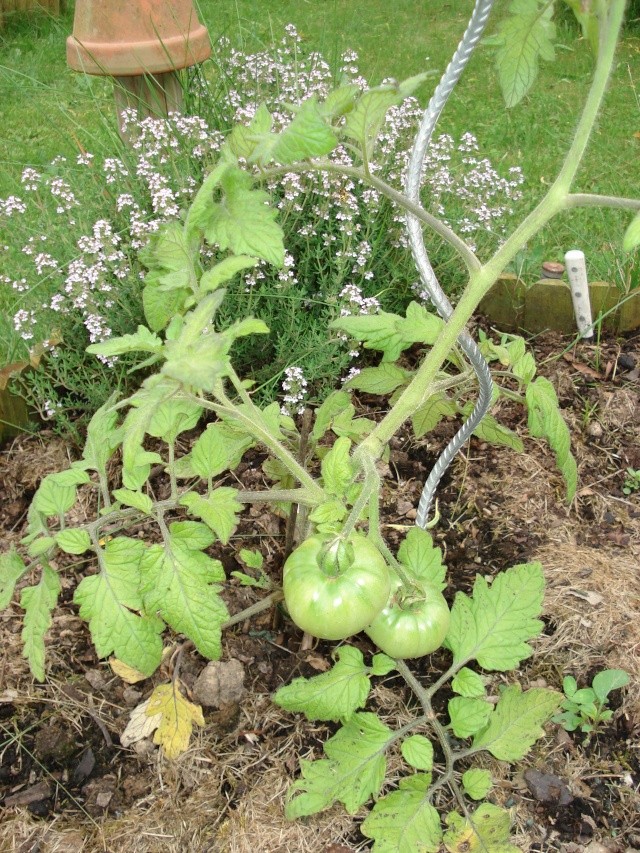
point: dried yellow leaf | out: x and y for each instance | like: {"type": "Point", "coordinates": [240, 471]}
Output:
{"type": "Point", "coordinates": [125, 672]}
{"type": "Point", "coordinates": [177, 718]}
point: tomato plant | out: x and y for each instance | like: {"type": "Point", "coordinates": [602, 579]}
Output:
{"type": "Point", "coordinates": [334, 588]}
{"type": "Point", "coordinates": [411, 625]}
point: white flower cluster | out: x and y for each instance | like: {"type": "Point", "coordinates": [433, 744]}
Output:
{"type": "Point", "coordinates": [294, 386]}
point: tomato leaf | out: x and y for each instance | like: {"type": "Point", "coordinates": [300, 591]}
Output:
{"type": "Point", "coordinates": [467, 715]}
{"type": "Point", "coordinates": [516, 722]}
{"type": "Point", "coordinates": [38, 602]}
{"type": "Point", "coordinates": [488, 829]}
{"type": "Point", "coordinates": [353, 772]}
{"type": "Point", "coordinates": [468, 683]}
{"type": "Point", "coordinates": [423, 559]}
{"type": "Point", "coordinates": [137, 500]}
{"type": "Point", "coordinates": [177, 716]}
{"type": "Point", "coordinates": [333, 695]}
{"type": "Point", "coordinates": [337, 471]}
{"type": "Point", "coordinates": [404, 821]}
{"type": "Point", "coordinates": [418, 752]}
{"type": "Point", "coordinates": [429, 415]}
{"type": "Point", "coordinates": [12, 568]}
{"type": "Point", "coordinates": [219, 448]}
{"type": "Point", "coordinates": [112, 604]}
{"type": "Point", "coordinates": [477, 783]}
{"type": "Point", "coordinates": [523, 38]}
{"type": "Point", "coordinates": [308, 135]}
{"type": "Point", "coordinates": [379, 380]}
{"type": "Point", "coordinates": [178, 583]}
{"type": "Point", "coordinates": [493, 626]}
{"type": "Point", "coordinates": [219, 510]}
{"type": "Point", "coordinates": [545, 421]}
{"type": "Point", "coordinates": [73, 541]}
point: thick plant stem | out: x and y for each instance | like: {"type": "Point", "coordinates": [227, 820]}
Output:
{"type": "Point", "coordinates": [448, 235]}
{"type": "Point", "coordinates": [254, 609]}
{"type": "Point", "coordinates": [480, 281]}
{"type": "Point", "coordinates": [255, 427]}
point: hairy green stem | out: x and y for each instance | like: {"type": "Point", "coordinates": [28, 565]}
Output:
{"type": "Point", "coordinates": [370, 490]}
{"type": "Point", "coordinates": [481, 280]}
{"type": "Point", "coordinates": [255, 426]}
{"type": "Point", "coordinates": [593, 200]}
{"type": "Point", "coordinates": [448, 234]}
{"type": "Point", "coordinates": [264, 604]}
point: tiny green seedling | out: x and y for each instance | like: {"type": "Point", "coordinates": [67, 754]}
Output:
{"type": "Point", "coordinates": [631, 481]}
{"type": "Point", "coordinates": [586, 709]}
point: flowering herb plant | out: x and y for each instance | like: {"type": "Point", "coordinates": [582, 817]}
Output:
{"type": "Point", "coordinates": [339, 577]}
{"type": "Point", "coordinates": [78, 281]}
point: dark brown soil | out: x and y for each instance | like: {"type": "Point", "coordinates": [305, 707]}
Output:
{"type": "Point", "coordinates": [66, 783]}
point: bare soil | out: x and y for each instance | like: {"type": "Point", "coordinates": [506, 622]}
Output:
{"type": "Point", "coordinates": [67, 784]}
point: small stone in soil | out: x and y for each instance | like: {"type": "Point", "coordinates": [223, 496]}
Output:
{"type": "Point", "coordinates": [220, 683]}
{"type": "Point", "coordinates": [547, 788]}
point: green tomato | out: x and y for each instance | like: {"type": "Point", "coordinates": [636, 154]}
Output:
{"type": "Point", "coordinates": [412, 627]}
{"type": "Point", "coordinates": [334, 588]}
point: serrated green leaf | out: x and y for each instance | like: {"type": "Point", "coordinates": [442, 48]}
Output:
{"type": "Point", "coordinates": [364, 121]}
{"type": "Point", "coordinates": [429, 415]}
{"type": "Point", "coordinates": [631, 237]}
{"type": "Point", "coordinates": [382, 664]}
{"type": "Point", "coordinates": [493, 626]}
{"type": "Point", "coordinates": [477, 783]}
{"type": "Point", "coordinates": [404, 821]}
{"type": "Point", "coordinates": [73, 541]}
{"type": "Point", "coordinates": [219, 448]}
{"type": "Point", "coordinates": [178, 581]}
{"type": "Point", "coordinates": [516, 722]}
{"type": "Point", "coordinates": [219, 510]}
{"type": "Point", "coordinates": [422, 558]}
{"type": "Point", "coordinates": [225, 271]}
{"type": "Point", "coordinates": [137, 500]}
{"type": "Point", "coordinates": [468, 683]}
{"type": "Point", "coordinates": [420, 326]}
{"type": "Point", "coordinates": [308, 135]}
{"type": "Point", "coordinates": [103, 437]}
{"type": "Point", "coordinates": [524, 37]}
{"type": "Point", "coordinates": [524, 368]}
{"type": "Point", "coordinates": [112, 604]}
{"type": "Point", "coordinates": [379, 380]}
{"type": "Point", "coordinates": [468, 715]}
{"type": "Point", "coordinates": [337, 470]}
{"type": "Point", "coordinates": [241, 221]}
{"type": "Point", "coordinates": [253, 559]}
{"type": "Point", "coordinates": [353, 773]}
{"type": "Point", "coordinates": [328, 512]}
{"type": "Point", "coordinates": [54, 498]}
{"type": "Point", "coordinates": [38, 602]}
{"type": "Point", "coordinates": [381, 331]}
{"type": "Point", "coordinates": [417, 751]}
{"type": "Point", "coordinates": [243, 138]}
{"type": "Point", "coordinates": [172, 418]}
{"type": "Point", "coordinates": [12, 568]}
{"type": "Point", "coordinates": [491, 430]}
{"type": "Point", "coordinates": [486, 831]}
{"type": "Point", "coordinates": [142, 341]}
{"type": "Point", "coordinates": [545, 421]}
{"type": "Point", "coordinates": [332, 695]}
{"type": "Point", "coordinates": [339, 101]}
{"type": "Point", "coordinates": [161, 306]}
{"type": "Point", "coordinates": [41, 545]}
{"type": "Point", "coordinates": [335, 403]}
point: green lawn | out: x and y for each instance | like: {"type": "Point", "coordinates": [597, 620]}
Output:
{"type": "Point", "coordinates": [46, 110]}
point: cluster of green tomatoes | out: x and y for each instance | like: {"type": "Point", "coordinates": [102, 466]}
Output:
{"type": "Point", "coordinates": [335, 588]}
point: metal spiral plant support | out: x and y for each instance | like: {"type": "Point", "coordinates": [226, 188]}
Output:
{"type": "Point", "coordinates": [413, 181]}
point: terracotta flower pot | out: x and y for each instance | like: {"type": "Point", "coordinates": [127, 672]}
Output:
{"type": "Point", "coordinates": [126, 38]}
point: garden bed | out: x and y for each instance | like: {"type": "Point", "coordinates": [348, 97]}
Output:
{"type": "Point", "coordinates": [67, 784]}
